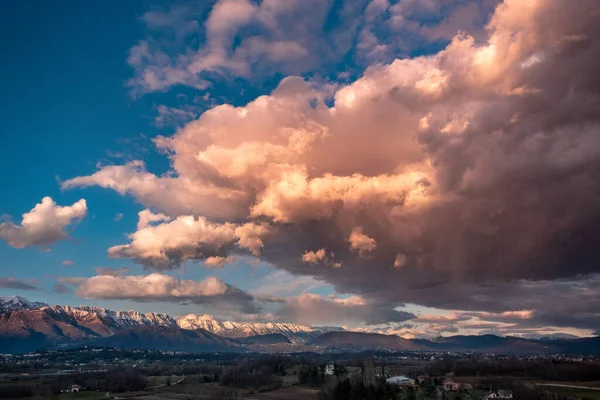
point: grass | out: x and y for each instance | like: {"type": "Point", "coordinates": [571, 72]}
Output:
{"type": "Point", "coordinates": [162, 380]}
{"type": "Point", "coordinates": [82, 395]}
{"type": "Point", "coordinates": [573, 392]}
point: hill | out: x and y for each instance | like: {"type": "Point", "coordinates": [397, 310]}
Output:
{"type": "Point", "coordinates": [268, 339]}
{"type": "Point", "coordinates": [362, 341]}
{"type": "Point", "coordinates": [168, 339]}
{"type": "Point", "coordinates": [485, 344]}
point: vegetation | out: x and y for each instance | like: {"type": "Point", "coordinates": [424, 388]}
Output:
{"type": "Point", "coordinates": [347, 389]}
{"type": "Point", "coordinates": [551, 370]}
{"type": "Point", "coordinates": [578, 393]}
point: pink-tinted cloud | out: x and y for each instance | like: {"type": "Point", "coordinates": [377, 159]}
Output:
{"type": "Point", "coordinates": [360, 242]}
{"type": "Point", "coordinates": [471, 171]}
{"type": "Point", "coordinates": [158, 287]}
{"type": "Point", "coordinates": [43, 225]}
{"type": "Point", "coordinates": [162, 243]}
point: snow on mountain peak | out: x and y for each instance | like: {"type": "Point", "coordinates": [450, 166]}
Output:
{"type": "Point", "coordinates": [129, 319]}
{"type": "Point", "coordinates": [18, 303]}
{"type": "Point", "coordinates": [232, 329]}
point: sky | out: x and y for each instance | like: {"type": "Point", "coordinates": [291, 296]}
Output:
{"type": "Point", "coordinates": [415, 167]}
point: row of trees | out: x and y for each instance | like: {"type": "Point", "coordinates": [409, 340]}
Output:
{"type": "Point", "coordinates": [261, 374]}
{"type": "Point", "coordinates": [347, 389]}
{"type": "Point", "coordinates": [541, 369]}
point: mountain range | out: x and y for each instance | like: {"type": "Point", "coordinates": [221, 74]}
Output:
{"type": "Point", "coordinates": [26, 326]}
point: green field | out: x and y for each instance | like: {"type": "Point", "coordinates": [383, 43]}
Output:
{"type": "Point", "coordinates": [573, 392]}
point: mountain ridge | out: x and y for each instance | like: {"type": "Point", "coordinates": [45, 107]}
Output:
{"type": "Point", "coordinates": [26, 326]}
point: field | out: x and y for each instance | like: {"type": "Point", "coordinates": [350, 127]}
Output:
{"type": "Point", "coordinates": [82, 395]}
{"type": "Point", "coordinates": [574, 392]}
{"type": "Point", "coordinates": [290, 393]}
{"type": "Point", "coordinates": [162, 380]}
{"type": "Point", "coordinates": [212, 391]}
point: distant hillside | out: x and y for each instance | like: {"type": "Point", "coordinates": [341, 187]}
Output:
{"type": "Point", "coordinates": [269, 339]}
{"type": "Point", "coordinates": [361, 340]}
{"type": "Point", "coordinates": [589, 345]}
{"type": "Point", "coordinates": [168, 339]}
{"type": "Point", "coordinates": [484, 343]}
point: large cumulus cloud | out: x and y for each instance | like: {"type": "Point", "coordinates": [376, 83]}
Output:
{"type": "Point", "coordinates": [43, 225]}
{"type": "Point", "coordinates": [438, 180]}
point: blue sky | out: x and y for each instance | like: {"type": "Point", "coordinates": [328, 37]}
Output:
{"type": "Point", "coordinates": [376, 163]}
{"type": "Point", "coordinates": [68, 108]}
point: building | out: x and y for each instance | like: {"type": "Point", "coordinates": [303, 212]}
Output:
{"type": "Point", "coordinates": [500, 394]}
{"type": "Point", "coordinates": [329, 369]}
{"type": "Point", "coordinates": [400, 380]}
{"type": "Point", "coordinates": [450, 386]}
{"type": "Point", "coordinates": [74, 389]}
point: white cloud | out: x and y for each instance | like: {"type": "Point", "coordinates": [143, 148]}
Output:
{"type": "Point", "coordinates": [313, 257]}
{"type": "Point", "coordinates": [164, 243]}
{"type": "Point", "coordinates": [361, 242]}
{"type": "Point", "coordinates": [238, 38]}
{"type": "Point", "coordinates": [43, 225]}
{"type": "Point", "coordinates": [159, 287]}
{"type": "Point", "coordinates": [313, 309]}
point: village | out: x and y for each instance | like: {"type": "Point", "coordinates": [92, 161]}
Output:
{"type": "Point", "coordinates": [155, 375]}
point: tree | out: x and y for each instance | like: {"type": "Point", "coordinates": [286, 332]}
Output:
{"type": "Point", "coordinates": [339, 369]}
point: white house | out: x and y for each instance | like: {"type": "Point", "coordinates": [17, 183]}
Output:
{"type": "Point", "coordinates": [74, 389]}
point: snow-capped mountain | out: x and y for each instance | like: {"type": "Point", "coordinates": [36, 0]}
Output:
{"type": "Point", "coordinates": [128, 319]}
{"type": "Point", "coordinates": [17, 303]}
{"type": "Point", "coordinates": [296, 333]}
{"type": "Point", "coordinates": [37, 324]}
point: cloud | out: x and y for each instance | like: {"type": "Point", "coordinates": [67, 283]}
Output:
{"type": "Point", "coordinates": [218, 262]}
{"type": "Point", "coordinates": [165, 244]}
{"type": "Point", "coordinates": [400, 261]}
{"type": "Point", "coordinates": [239, 38]}
{"type": "Point", "coordinates": [471, 170]}
{"type": "Point", "coordinates": [160, 287]}
{"type": "Point", "coordinates": [11, 283]}
{"type": "Point", "coordinates": [118, 217]}
{"type": "Point", "coordinates": [112, 271]}
{"type": "Point", "coordinates": [67, 262]}
{"type": "Point", "coordinates": [280, 283]}
{"type": "Point", "coordinates": [60, 288]}
{"type": "Point", "coordinates": [313, 309]}
{"type": "Point", "coordinates": [313, 257]}
{"type": "Point", "coordinates": [43, 225]}
{"type": "Point", "coordinates": [172, 116]}
{"type": "Point", "coordinates": [361, 242]}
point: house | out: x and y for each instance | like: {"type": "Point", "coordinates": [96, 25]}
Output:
{"type": "Point", "coordinates": [74, 389]}
{"type": "Point", "coordinates": [400, 381]}
{"type": "Point", "coordinates": [450, 386]}
{"type": "Point", "coordinates": [500, 394]}
{"type": "Point", "coordinates": [329, 369]}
